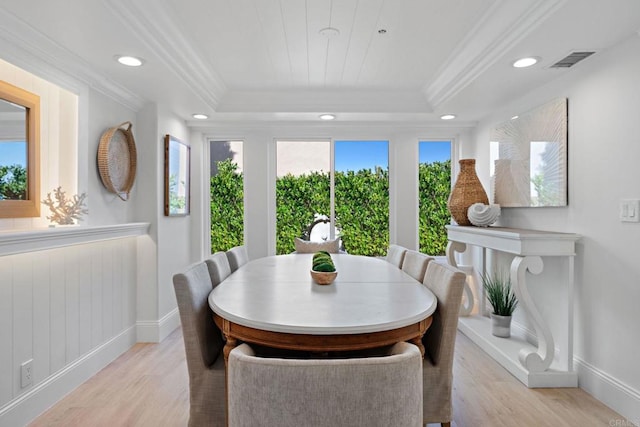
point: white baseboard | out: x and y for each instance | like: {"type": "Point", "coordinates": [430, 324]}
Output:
{"type": "Point", "coordinates": [42, 396]}
{"type": "Point", "coordinates": [610, 391]}
{"type": "Point", "coordinates": [157, 330]}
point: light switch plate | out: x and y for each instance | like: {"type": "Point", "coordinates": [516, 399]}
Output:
{"type": "Point", "coordinates": [630, 210]}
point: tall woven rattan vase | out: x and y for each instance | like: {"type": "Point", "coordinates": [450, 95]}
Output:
{"type": "Point", "coordinates": [466, 191]}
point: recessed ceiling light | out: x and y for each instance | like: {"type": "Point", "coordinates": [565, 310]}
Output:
{"type": "Point", "coordinates": [514, 117]}
{"type": "Point", "coordinates": [448, 116]}
{"type": "Point", "coordinates": [200, 116]}
{"type": "Point", "coordinates": [327, 116]}
{"type": "Point", "coordinates": [525, 62]}
{"type": "Point", "coordinates": [130, 61]}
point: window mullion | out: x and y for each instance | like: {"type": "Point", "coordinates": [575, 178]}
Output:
{"type": "Point", "coordinates": [332, 210]}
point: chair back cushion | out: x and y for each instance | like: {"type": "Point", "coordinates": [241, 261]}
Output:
{"type": "Point", "coordinates": [375, 391]}
{"type": "Point", "coordinates": [219, 268]}
{"type": "Point", "coordinates": [306, 247]}
{"type": "Point", "coordinates": [447, 283]}
{"type": "Point", "coordinates": [415, 264]}
{"type": "Point", "coordinates": [202, 338]}
{"type": "Point", "coordinates": [237, 257]}
{"type": "Point", "coordinates": [395, 255]}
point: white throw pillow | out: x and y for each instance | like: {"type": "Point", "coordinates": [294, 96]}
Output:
{"type": "Point", "coordinates": [306, 247]}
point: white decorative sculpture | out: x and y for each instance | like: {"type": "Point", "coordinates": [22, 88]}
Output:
{"type": "Point", "coordinates": [482, 215]}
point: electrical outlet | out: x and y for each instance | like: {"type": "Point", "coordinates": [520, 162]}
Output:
{"type": "Point", "coordinates": [26, 373]}
{"type": "Point", "coordinates": [630, 210]}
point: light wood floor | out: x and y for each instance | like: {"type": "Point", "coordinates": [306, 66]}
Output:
{"type": "Point", "coordinates": [148, 386]}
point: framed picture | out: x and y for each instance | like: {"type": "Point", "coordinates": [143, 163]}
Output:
{"type": "Point", "coordinates": [176, 177]}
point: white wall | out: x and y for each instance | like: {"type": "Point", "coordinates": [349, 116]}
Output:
{"type": "Point", "coordinates": [174, 248]}
{"type": "Point", "coordinates": [72, 311]}
{"type": "Point", "coordinates": [105, 207]}
{"type": "Point", "coordinates": [604, 148]}
{"type": "Point", "coordinates": [168, 248]}
{"type": "Point", "coordinates": [58, 140]}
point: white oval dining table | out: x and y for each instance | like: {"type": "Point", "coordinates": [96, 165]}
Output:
{"type": "Point", "coordinates": [273, 301]}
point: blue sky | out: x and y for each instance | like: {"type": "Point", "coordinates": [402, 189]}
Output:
{"type": "Point", "coordinates": [356, 155]}
{"type": "Point", "coordinates": [434, 151]}
{"type": "Point", "coordinates": [13, 152]}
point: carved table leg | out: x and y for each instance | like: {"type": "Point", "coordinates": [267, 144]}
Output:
{"type": "Point", "coordinates": [230, 344]}
{"type": "Point", "coordinates": [418, 342]}
{"type": "Point", "coordinates": [452, 248]}
{"type": "Point", "coordinates": [539, 360]}
{"type": "Point", "coordinates": [424, 325]}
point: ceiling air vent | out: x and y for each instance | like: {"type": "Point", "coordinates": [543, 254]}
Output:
{"type": "Point", "coordinates": [572, 59]}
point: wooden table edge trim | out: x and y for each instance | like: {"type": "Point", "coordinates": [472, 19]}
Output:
{"type": "Point", "coordinates": [234, 332]}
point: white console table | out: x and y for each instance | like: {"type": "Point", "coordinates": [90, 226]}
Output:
{"type": "Point", "coordinates": [533, 365]}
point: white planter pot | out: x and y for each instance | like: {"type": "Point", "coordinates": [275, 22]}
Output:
{"type": "Point", "coordinates": [501, 326]}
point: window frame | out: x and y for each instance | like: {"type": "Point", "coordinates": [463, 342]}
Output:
{"type": "Point", "coordinates": [31, 206]}
{"type": "Point", "coordinates": [332, 178]}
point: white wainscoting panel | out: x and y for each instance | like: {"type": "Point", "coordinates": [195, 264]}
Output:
{"type": "Point", "coordinates": [58, 307]}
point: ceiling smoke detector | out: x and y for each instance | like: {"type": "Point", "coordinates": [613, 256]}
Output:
{"type": "Point", "coordinates": [329, 32]}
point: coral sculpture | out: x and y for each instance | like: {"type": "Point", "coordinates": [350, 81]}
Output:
{"type": "Point", "coordinates": [64, 211]}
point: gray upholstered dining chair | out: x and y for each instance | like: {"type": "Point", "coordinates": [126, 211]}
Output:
{"type": "Point", "coordinates": [395, 255]}
{"type": "Point", "coordinates": [203, 345]}
{"type": "Point", "coordinates": [218, 266]}
{"type": "Point", "coordinates": [447, 283]}
{"type": "Point", "coordinates": [374, 391]}
{"type": "Point", "coordinates": [415, 264]}
{"type": "Point", "coordinates": [237, 257]}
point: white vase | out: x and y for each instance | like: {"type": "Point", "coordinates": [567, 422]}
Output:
{"type": "Point", "coordinates": [501, 325]}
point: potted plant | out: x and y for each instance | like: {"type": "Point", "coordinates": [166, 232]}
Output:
{"type": "Point", "coordinates": [498, 291]}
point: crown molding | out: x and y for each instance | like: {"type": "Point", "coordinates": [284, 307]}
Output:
{"type": "Point", "coordinates": [422, 123]}
{"type": "Point", "coordinates": [28, 48]}
{"type": "Point", "coordinates": [331, 101]}
{"type": "Point", "coordinates": [501, 27]}
{"type": "Point", "coordinates": [155, 27]}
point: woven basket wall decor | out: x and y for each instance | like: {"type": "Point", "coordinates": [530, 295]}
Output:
{"type": "Point", "coordinates": [466, 191]}
{"type": "Point", "coordinates": [117, 160]}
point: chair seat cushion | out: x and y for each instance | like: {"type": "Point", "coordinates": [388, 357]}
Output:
{"type": "Point", "coordinates": [306, 247]}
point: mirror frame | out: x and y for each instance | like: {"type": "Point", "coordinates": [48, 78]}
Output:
{"type": "Point", "coordinates": [172, 147]}
{"type": "Point", "coordinates": [512, 180]}
{"type": "Point", "coordinates": [31, 206]}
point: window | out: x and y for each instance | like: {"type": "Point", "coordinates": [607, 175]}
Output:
{"type": "Point", "coordinates": [303, 194]}
{"type": "Point", "coordinates": [227, 195]}
{"type": "Point", "coordinates": [19, 152]}
{"type": "Point", "coordinates": [362, 196]}
{"type": "Point", "coordinates": [349, 200]}
{"type": "Point", "coordinates": [434, 186]}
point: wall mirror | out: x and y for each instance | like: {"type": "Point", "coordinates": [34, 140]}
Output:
{"type": "Point", "coordinates": [176, 177]}
{"type": "Point", "coordinates": [19, 152]}
{"type": "Point", "coordinates": [529, 158]}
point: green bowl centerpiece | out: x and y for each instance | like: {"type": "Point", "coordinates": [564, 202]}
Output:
{"type": "Point", "coordinates": [323, 270]}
